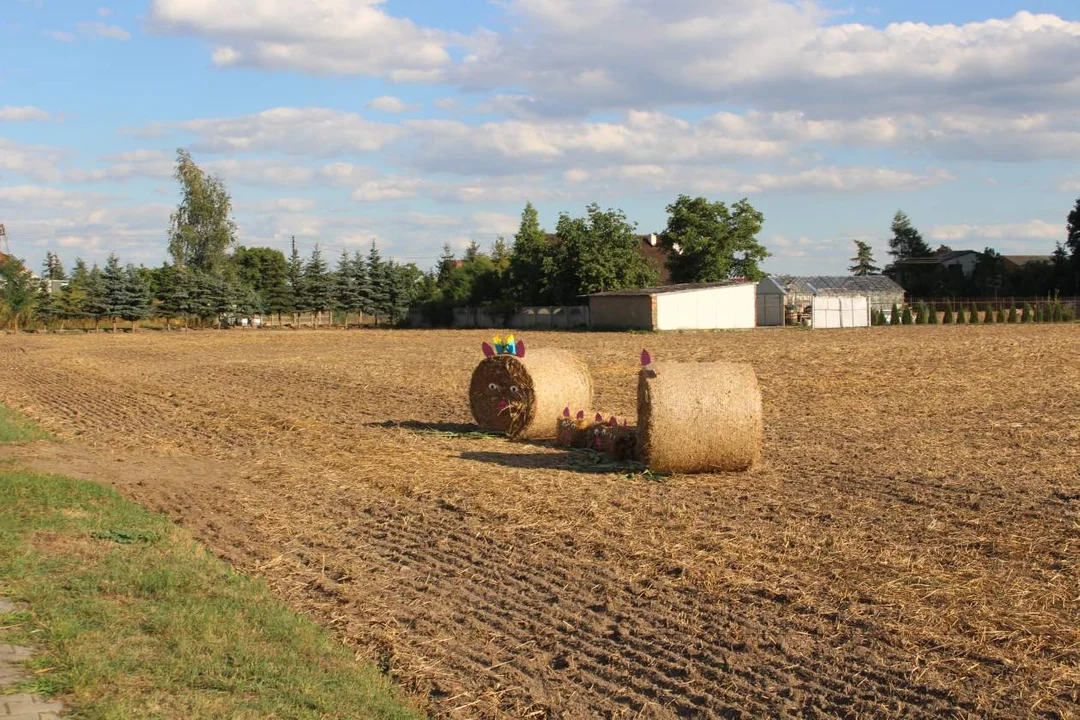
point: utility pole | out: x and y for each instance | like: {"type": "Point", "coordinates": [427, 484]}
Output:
{"type": "Point", "coordinates": [4, 247]}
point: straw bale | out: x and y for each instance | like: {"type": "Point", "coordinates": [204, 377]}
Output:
{"type": "Point", "coordinates": [699, 417]}
{"type": "Point", "coordinates": [520, 396]}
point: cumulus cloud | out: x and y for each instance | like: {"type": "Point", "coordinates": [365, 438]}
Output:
{"type": "Point", "coordinates": [25, 113]}
{"type": "Point", "coordinates": [318, 36]}
{"type": "Point", "coordinates": [61, 36]}
{"type": "Point", "coordinates": [37, 162]}
{"type": "Point", "coordinates": [103, 30]}
{"type": "Point", "coordinates": [1031, 229]}
{"type": "Point", "coordinates": [1069, 184]}
{"type": "Point", "coordinates": [390, 104]}
{"type": "Point", "coordinates": [301, 131]}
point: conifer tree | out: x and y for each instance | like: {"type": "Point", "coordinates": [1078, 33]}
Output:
{"type": "Point", "coordinates": [988, 316]}
{"type": "Point", "coordinates": [894, 319]}
{"type": "Point", "coordinates": [1001, 314]}
{"type": "Point", "coordinates": [97, 297]}
{"type": "Point", "coordinates": [171, 295]}
{"type": "Point", "coordinates": [277, 294]}
{"type": "Point", "coordinates": [135, 297]}
{"type": "Point", "coordinates": [363, 286]}
{"type": "Point", "coordinates": [379, 296]}
{"type": "Point", "coordinates": [932, 314]}
{"type": "Point", "coordinates": [949, 318]}
{"type": "Point", "coordinates": [115, 289]}
{"type": "Point", "coordinates": [905, 317]}
{"type": "Point", "coordinates": [1028, 313]}
{"type": "Point", "coordinates": [318, 285]}
{"type": "Point", "coordinates": [346, 297]}
{"type": "Point", "coordinates": [295, 284]}
{"type": "Point", "coordinates": [1012, 313]}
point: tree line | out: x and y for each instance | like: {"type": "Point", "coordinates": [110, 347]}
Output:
{"type": "Point", "coordinates": [991, 276]}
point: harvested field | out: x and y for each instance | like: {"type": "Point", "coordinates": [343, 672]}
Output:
{"type": "Point", "coordinates": [907, 547]}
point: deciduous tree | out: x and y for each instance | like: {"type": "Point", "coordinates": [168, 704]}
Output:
{"type": "Point", "coordinates": [201, 230]}
{"type": "Point", "coordinates": [709, 242]}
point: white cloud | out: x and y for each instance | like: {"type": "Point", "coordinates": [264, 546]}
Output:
{"type": "Point", "coordinates": [1031, 229]}
{"type": "Point", "coordinates": [317, 36]}
{"type": "Point", "coordinates": [61, 36]}
{"type": "Point", "coordinates": [103, 30]}
{"type": "Point", "coordinates": [38, 162]}
{"type": "Point", "coordinates": [25, 113]}
{"type": "Point", "coordinates": [278, 205]}
{"type": "Point", "coordinates": [104, 12]}
{"type": "Point", "coordinates": [301, 131]}
{"type": "Point", "coordinates": [390, 104]}
{"type": "Point", "coordinates": [36, 197]}
{"type": "Point", "coordinates": [392, 188]}
{"type": "Point", "coordinates": [1069, 184]}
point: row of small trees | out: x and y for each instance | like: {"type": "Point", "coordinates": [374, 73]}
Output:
{"type": "Point", "coordinates": [924, 314]}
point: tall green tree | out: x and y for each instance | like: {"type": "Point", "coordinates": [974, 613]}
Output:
{"type": "Point", "coordinates": [295, 282]}
{"type": "Point", "coordinates": [709, 242]}
{"type": "Point", "coordinates": [597, 253]}
{"type": "Point", "coordinates": [362, 283]}
{"type": "Point", "coordinates": [136, 297]}
{"type": "Point", "coordinates": [531, 261]}
{"type": "Point", "coordinates": [472, 251]}
{"type": "Point", "coordinates": [171, 294]}
{"type": "Point", "coordinates": [447, 263]}
{"type": "Point", "coordinates": [346, 295]}
{"type": "Point", "coordinates": [906, 241]}
{"type": "Point", "coordinates": [115, 289]}
{"type": "Point", "coordinates": [500, 254]}
{"type": "Point", "coordinates": [863, 260]}
{"type": "Point", "coordinates": [18, 292]}
{"type": "Point", "coordinates": [318, 285]}
{"type": "Point", "coordinates": [52, 268]}
{"type": "Point", "coordinates": [201, 230]}
{"type": "Point", "coordinates": [378, 299]}
{"type": "Point", "coordinates": [97, 297]}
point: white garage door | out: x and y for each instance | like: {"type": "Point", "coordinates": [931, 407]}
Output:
{"type": "Point", "coordinates": [840, 312]}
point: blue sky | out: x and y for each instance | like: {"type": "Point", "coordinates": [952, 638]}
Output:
{"type": "Point", "coordinates": [416, 123]}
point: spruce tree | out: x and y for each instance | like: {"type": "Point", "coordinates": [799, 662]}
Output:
{"type": "Point", "coordinates": [949, 318]}
{"type": "Point", "coordinates": [1001, 314]}
{"type": "Point", "coordinates": [135, 298]}
{"type": "Point", "coordinates": [277, 294]}
{"type": "Point", "coordinates": [932, 316]}
{"type": "Point", "coordinates": [1028, 313]}
{"type": "Point", "coordinates": [400, 296]}
{"type": "Point", "coordinates": [115, 288]}
{"type": "Point", "coordinates": [894, 319]}
{"type": "Point", "coordinates": [905, 317]}
{"type": "Point", "coordinates": [171, 295]}
{"type": "Point", "coordinates": [379, 296]}
{"type": "Point", "coordinates": [1058, 314]}
{"type": "Point", "coordinates": [1012, 313]}
{"type": "Point", "coordinates": [318, 285]}
{"type": "Point", "coordinates": [345, 291]}
{"type": "Point", "coordinates": [295, 283]}
{"type": "Point", "coordinates": [97, 297]}
{"type": "Point", "coordinates": [362, 283]}
{"type": "Point", "coordinates": [988, 316]}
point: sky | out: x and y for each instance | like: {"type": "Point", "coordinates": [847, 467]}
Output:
{"type": "Point", "coordinates": [414, 123]}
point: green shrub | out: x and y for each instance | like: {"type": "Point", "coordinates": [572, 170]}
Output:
{"type": "Point", "coordinates": [949, 318]}
{"type": "Point", "coordinates": [961, 315]}
{"type": "Point", "coordinates": [932, 314]}
{"type": "Point", "coordinates": [920, 314]}
{"type": "Point", "coordinates": [895, 318]}
{"type": "Point", "coordinates": [973, 314]}
{"type": "Point", "coordinates": [988, 317]}
{"type": "Point", "coordinates": [1068, 314]}
{"type": "Point", "coordinates": [1012, 314]}
{"type": "Point", "coordinates": [1001, 313]}
{"type": "Point", "coordinates": [906, 316]}
{"type": "Point", "coordinates": [1028, 313]}
{"type": "Point", "coordinates": [1056, 315]}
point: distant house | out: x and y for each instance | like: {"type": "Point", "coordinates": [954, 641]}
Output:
{"type": "Point", "coordinates": [691, 306]}
{"type": "Point", "coordinates": [800, 290]}
{"type": "Point", "coordinates": [1015, 262]}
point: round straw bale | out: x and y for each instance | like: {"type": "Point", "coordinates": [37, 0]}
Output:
{"type": "Point", "coordinates": [699, 417]}
{"type": "Point", "coordinates": [523, 397]}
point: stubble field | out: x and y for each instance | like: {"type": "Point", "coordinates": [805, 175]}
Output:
{"type": "Point", "coordinates": [908, 547]}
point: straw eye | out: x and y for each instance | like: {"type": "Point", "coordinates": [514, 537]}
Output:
{"type": "Point", "coordinates": [514, 389]}
{"type": "Point", "coordinates": [493, 387]}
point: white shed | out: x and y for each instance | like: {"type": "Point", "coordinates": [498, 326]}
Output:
{"type": "Point", "coordinates": [692, 306]}
{"type": "Point", "coordinates": [770, 303]}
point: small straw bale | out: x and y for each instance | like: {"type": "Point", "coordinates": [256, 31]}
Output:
{"type": "Point", "coordinates": [699, 417]}
{"type": "Point", "coordinates": [521, 395]}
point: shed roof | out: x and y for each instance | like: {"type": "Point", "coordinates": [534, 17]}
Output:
{"type": "Point", "coordinates": [834, 284]}
{"type": "Point", "coordinates": [682, 287]}
{"type": "Point", "coordinates": [1021, 260]}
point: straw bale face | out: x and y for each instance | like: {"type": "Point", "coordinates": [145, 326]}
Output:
{"type": "Point", "coordinates": [519, 396]}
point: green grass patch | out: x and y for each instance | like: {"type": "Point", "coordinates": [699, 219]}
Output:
{"type": "Point", "coordinates": [133, 618]}
{"type": "Point", "coordinates": [15, 428]}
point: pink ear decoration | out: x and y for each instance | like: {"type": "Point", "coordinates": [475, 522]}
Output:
{"type": "Point", "coordinates": [646, 358]}
{"type": "Point", "coordinates": [613, 422]}
{"type": "Point", "coordinates": [624, 422]}
{"type": "Point", "coordinates": [599, 417]}
{"type": "Point", "coordinates": [566, 411]}
{"type": "Point", "coordinates": [581, 415]}
{"type": "Point", "coordinates": [520, 349]}
{"type": "Point", "coordinates": [488, 350]}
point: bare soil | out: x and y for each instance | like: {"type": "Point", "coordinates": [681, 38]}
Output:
{"type": "Point", "coordinates": [907, 548]}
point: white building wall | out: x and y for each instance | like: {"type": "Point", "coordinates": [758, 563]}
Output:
{"type": "Point", "coordinates": [718, 308]}
{"type": "Point", "coordinates": [840, 312]}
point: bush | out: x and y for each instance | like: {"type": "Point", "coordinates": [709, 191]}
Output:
{"type": "Point", "coordinates": [948, 319]}
{"type": "Point", "coordinates": [1001, 314]}
{"type": "Point", "coordinates": [895, 318]}
{"type": "Point", "coordinates": [920, 314]}
{"type": "Point", "coordinates": [961, 315]}
{"type": "Point", "coordinates": [973, 315]}
{"type": "Point", "coordinates": [988, 318]}
{"type": "Point", "coordinates": [1028, 313]}
{"type": "Point", "coordinates": [1068, 314]}
{"type": "Point", "coordinates": [1056, 313]}
{"type": "Point", "coordinates": [906, 316]}
{"type": "Point", "coordinates": [932, 317]}
{"type": "Point", "coordinates": [1012, 314]}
